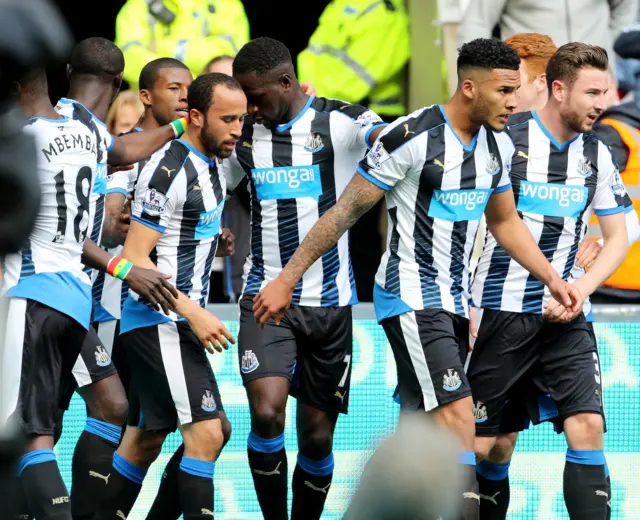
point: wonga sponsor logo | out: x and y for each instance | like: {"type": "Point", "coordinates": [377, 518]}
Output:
{"type": "Point", "coordinates": [209, 223]}
{"type": "Point", "coordinates": [458, 205]}
{"type": "Point", "coordinates": [100, 186]}
{"type": "Point", "coordinates": [552, 200]}
{"type": "Point", "coordinates": [287, 182]}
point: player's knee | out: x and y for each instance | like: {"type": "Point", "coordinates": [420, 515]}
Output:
{"type": "Point", "coordinates": [482, 446]}
{"type": "Point", "coordinates": [458, 418]}
{"type": "Point", "coordinates": [503, 448]}
{"type": "Point", "coordinates": [268, 419]}
{"type": "Point", "coordinates": [115, 412]}
{"type": "Point", "coordinates": [584, 431]}
{"type": "Point", "coordinates": [203, 440]}
{"type": "Point", "coordinates": [316, 444]}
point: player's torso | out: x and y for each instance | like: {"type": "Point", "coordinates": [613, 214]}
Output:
{"type": "Point", "coordinates": [436, 208]}
{"type": "Point", "coordinates": [554, 186]}
{"type": "Point", "coordinates": [297, 172]}
{"type": "Point", "coordinates": [52, 256]}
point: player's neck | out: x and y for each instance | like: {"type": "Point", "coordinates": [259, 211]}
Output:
{"type": "Point", "coordinates": [40, 107]}
{"type": "Point", "coordinates": [298, 102]}
{"type": "Point", "coordinates": [191, 136]}
{"type": "Point", "coordinates": [459, 115]}
{"type": "Point", "coordinates": [553, 123]}
{"type": "Point", "coordinates": [96, 97]}
{"type": "Point", "coordinates": [148, 122]}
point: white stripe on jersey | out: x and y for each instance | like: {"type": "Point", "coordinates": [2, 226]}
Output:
{"type": "Point", "coordinates": [437, 190]}
{"type": "Point", "coordinates": [49, 269]}
{"type": "Point", "coordinates": [181, 194]}
{"type": "Point", "coordinates": [297, 171]}
{"type": "Point", "coordinates": [556, 188]}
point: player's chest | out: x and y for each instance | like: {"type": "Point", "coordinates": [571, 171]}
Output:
{"type": "Point", "coordinates": [297, 165]}
{"type": "Point", "coordinates": [204, 203]}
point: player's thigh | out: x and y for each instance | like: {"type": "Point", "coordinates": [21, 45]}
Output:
{"type": "Point", "coordinates": [427, 354]}
{"type": "Point", "coordinates": [41, 345]}
{"type": "Point", "coordinates": [503, 356]}
{"type": "Point", "coordinates": [322, 376]}
{"type": "Point", "coordinates": [171, 375]}
{"type": "Point", "coordinates": [570, 370]}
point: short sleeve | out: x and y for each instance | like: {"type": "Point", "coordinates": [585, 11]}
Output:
{"type": "Point", "coordinates": [358, 124]}
{"type": "Point", "coordinates": [232, 171]}
{"type": "Point", "coordinates": [389, 159]}
{"type": "Point", "coordinates": [157, 196]}
{"type": "Point", "coordinates": [118, 182]}
{"type": "Point", "coordinates": [610, 191]}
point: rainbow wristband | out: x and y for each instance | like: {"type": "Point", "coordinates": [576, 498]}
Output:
{"type": "Point", "coordinates": [179, 126]}
{"type": "Point", "coordinates": [119, 267]}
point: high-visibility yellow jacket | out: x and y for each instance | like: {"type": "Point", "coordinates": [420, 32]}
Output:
{"type": "Point", "coordinates": [358, 54]}
{"type": "Point", "coordinates": [200, 31]}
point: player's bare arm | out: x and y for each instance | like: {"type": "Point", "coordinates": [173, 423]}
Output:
{"type": "Point", "coordinates": [114, 229]}
{"type": "Point", "coordinates": [359, 196]}
{"type": "Point", "coordinates": [137, 146]}
{"type": "Point", "coordinates": [146, 281]}
{"type": "Point", "coordinates": [226, 243]}
{"type": "Point", "coordinates": [516, 239]}
{"type": "Point", "coordinates": [613, 253]}
{"type": "Point", "coordinates": [139, 243]}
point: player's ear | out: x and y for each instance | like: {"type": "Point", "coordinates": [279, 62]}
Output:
{"type": "Point", "coordinates": [541, 82]}
{"type": "Point", "coordinates": [145, 97]}
{"type": "Point", "coordinates": [558, 90]}
{"type": "Point", "coordinates": [468, 88]}
{"type": "Point", "coordinates": [285, 81]}
{"type": "Point", "coordinates": [196, 118]}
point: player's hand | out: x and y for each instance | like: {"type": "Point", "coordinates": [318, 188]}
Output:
{"type": "Point", "coordinates": [272, 301]}
{"type": "Point", "coordinates": [473, 326]}
{"type": "Point", "coordinates": [153, 286]}
{"type": "Point", "coordinates": [308, 88]}
{"type": "Point", "coordinates": [226, 243]}
{"type": "Point", "coordinates": [212, 333]}
{"type": "Point", "coordinates": [587, 253]}
{"type": "Point", "coordinates": [568, 296]}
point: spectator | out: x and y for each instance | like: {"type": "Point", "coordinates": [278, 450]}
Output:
{"type": "Point", "coordinates": [222, 64]}
{"type": "Point", "coordinates": [125, 112]}
{"type": "Point", "coordinates": [597, 22]}
{"type": "Point", "coordinates": [189, 30]}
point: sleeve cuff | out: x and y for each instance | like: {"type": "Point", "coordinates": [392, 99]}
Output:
{"type": "Point", "coordinates": [151, 225]}
{"type": "Point", "coordinates": [117, 190]}
{"type": "Point", "coordinates": [373, 180]}
{"type": "Point", "coordinates": [367, 136]}
{"type": "Point", "coordinates": [629, 209]}
{"type": "Point", "coordinates": [610, 211]}
{"type": "Point", "coordinates": [113, 141]}
{"type": "Point", "coordinates": [500, 189]}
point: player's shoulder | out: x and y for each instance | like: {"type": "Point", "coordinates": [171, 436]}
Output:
{"type": "Point", "coordinates": [598, 149]}
{"type": "Point", "coordinates": [354, 112]}
{"type": "Point", "coordinates": [165, 165]}
{"type": "Point", "coordinates": [519, 119]}
{"type": "Point", "coordinates": [77, 111]}
{"type": "Point", "coordinates": [407, 128]}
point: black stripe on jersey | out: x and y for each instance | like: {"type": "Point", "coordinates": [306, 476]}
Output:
{"type": "Point", "coordinates": [62, 207]}
{"type": "Point", "coordinates": [426, 120]}
{"type": "Point", "coordinates": [27, 268]}
{"type": "Point", "coordinates": [329, 105]}
{"type": "Point", "coordinates": [255, 277]}
{"type": "Point", "coordinates": [551, 229]}
{"type": "Point", "coordinates": [324, 158]}
{"type": "Point", "coordinates": [288, 233]}
{"type": "Point", "coordinates": [214, 175]}
{"type": "Point", "coordinates": [187, 247]}
{"type": "Point", "coordinates": [96, 230]}
{"type": "Point", "coordinates": [423, 229]}
{"type": "Point", "coordinates": [81, 114]}
{"type": "Point", "coordinates": [392, 273]}
{"type": "Point", "coordinates": [459, 231]}
{"type": "Point", "coordinates": [165, 173]}
{"type": "Point", "coordinates": [207, 273]}
{"type": "Point", "coordinates": [98, 286]}
{"type": "Point", "coordinates": [500, 260]}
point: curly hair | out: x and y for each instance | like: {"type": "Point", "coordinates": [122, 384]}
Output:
{"type": "Point", "coordinates": [261, 56]}
{"type": "Point", "coordinates": [200, 95]}
{"type": "Point", "coordinates": [487, 53]}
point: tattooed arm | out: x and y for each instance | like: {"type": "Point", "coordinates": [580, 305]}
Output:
{"type": "Point", "coordinates": [359, 196]}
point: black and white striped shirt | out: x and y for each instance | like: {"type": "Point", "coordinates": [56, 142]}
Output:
{"type": "Point", "coordinates": [556, 187]}
{"type": "Point", "coordinates": [181, 194]}
{"type": "Point", "coordinates": [437, 190]}
{"type": "Point", "coordinates": [296, 172]}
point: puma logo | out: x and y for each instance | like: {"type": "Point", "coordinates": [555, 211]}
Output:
{"type": "Point", "coordinates": [340, 396]}
{"type": "Point", "coordinates": [204, 511]}
{"type": "Point", "coordinates": [492, 499]}
{"type": "Point", "coordinates": [247, 145]}
{"type": "Point", "coordinates": [98, 475]}
{"type": "Point", "coordinates": [324, 490]}
{"type": "Point", "coordinates": [438, 162]}
{"type": "Point", "coordinates": [196, 188]}
{"type": "Point", "coordinates": [407, 131]}
{"type": "Point", "coordinates": [120, 514]}
{"type": "Point", "coordinates": [469, 494]}
{"type": "Point", "coordinates": [268, 473]}
{"type": "Point", "coordinates": [601, 493]}
{"type": "Point", "coordinates": [169, 172]}
{"type": "Point", "coordinates": [522, 154]}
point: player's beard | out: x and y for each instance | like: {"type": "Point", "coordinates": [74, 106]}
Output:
{"type": "Point", "coordinates": [574, 121]}
{"type": "Point", "coordinates": [210, 143]}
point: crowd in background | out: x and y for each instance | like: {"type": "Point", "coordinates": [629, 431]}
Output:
{"type": "Point", "coordinates": [359, 53]}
